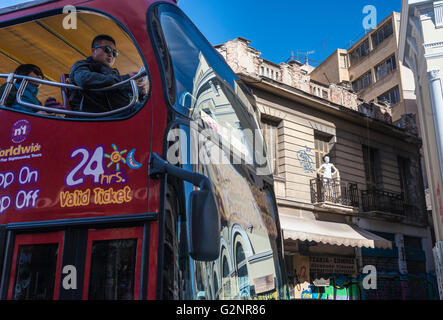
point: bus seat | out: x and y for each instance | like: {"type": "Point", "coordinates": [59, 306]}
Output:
{"type": "Point", "coordinates": [64, 78]}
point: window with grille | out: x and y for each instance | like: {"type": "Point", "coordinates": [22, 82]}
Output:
{"type": "Point", "coordinates": [385, 32]}
{"type": "Point", "coordinates": [270, 134]}
{"type": "Point", "coordinates": [363, 82]}
{"type": "Point", "coordinates": [392, 96]}
{"type": "Point", "coordinates": [343, 60]}
{"type": "Point", "coordinates": [385, 68]}
{"type": "Point", "coordinates": [403, 168]}
{"type": "Point", "coordinates": [321, 145]}
{"type": "Point", "coordinates": [369, 159]}
{"type": "Point", "coordinates": [359, 53]}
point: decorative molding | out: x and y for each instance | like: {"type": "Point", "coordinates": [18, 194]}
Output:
{"type": "Point", "coordinates": [433, 75]}
{"type": "Point", "coordinates": [438, 13]}
{"type": "Point", "coordinates": [433, 45]}
{"type": "Point", "coordinates": [425, 12]}
{"type": "Point", "coordinates": [434, 55]}
{"type": "Point", "coordinates": [271, 112]}
{"type": "Point", "coordinates": [322, 128]}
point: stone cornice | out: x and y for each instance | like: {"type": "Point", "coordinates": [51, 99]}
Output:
{"type": "Point", "coordinates": [307, 99]}
{"type": "Point", "coordinates": [434, 55]}
{"type": "Point", "coordinates": [425, 12]}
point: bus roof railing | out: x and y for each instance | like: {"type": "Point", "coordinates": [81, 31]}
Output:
{"type": "Point", "coordinates": [25, 79]}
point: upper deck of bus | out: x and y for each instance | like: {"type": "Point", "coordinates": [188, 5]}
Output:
{"type": "Point", "coordinates": [33, 32]}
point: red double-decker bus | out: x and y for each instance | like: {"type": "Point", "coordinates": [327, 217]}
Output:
{"type": "Point", "coordinates": [168, 196]}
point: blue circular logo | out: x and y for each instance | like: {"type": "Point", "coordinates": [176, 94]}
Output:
{"type": "Point", "coordinates": [20, 131]}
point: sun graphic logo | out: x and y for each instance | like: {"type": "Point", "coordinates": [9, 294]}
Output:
{"type": "Point", "coordinates": [124, 156]}
{"type": "Point", "coordinates": [116, 156]}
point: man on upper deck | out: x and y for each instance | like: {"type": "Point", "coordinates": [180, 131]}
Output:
{"type": "Point", "coordinates": [96, 72]}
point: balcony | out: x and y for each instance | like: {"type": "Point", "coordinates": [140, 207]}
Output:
{"type": "Point", "coordinates": [344, 196]}
{"type": "Point", "coordinates": [334, 194]}
{"type": "Point", "coordinates": [382, 201]}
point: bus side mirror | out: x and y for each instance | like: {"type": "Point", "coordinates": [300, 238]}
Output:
{"type": "Point", "coordinates": [204, 226]}
{"type": "Point", "coordinates": [204, 220]}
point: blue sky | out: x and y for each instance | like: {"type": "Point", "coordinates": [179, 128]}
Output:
{"type": "Point", "coordinates": [278, 27]}
{"type": "Point", "coordinates": [7, 3]}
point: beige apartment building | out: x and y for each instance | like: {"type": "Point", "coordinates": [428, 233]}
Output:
{"type": "Point", "coordinates": [421, 49]}
{"type": "Point", "coordinates": [372, 70]}
{"type": "Point", "coordinates": [372, 213]}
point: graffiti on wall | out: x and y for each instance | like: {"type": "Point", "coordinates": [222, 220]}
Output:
{"type": "Point", "coordinates": [390, 286]}
{"type": "Point", "coordinates": [305, 159]}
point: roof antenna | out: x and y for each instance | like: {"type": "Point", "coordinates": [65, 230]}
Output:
{"type": "Point", "coordinates": [306, 55]}
{"type": "Point", "coordinates": [292, 58]}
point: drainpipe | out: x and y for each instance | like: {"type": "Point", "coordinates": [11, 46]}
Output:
{"type": "Point", "coordinates": [436, 93]}
{"type": "Point", "coordinates": [435, 88]}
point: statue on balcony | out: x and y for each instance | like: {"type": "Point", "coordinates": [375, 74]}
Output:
{"type": "Point", "coordinates": [325, 171]}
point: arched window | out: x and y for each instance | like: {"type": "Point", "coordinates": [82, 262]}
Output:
{"type": "Point", "coordinates": [242, 271]}
{"type": "Point", "coordinates": [215, 285]}
{"type": "Point", "coordinates": [226, 281]}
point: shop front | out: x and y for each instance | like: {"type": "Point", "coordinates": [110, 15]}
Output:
{"type": "Point", "coordinates": [323, 258]}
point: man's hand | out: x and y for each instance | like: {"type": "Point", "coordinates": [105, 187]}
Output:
{"type": "Point", "coordinates": [140, 82]}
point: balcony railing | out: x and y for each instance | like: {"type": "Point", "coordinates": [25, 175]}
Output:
{"type": "Point", "coordinates": [334, 191]}
{"type": "Point", "coordinates": [327, 192]}
{"type": "Point", "coordinates": [384, 201]}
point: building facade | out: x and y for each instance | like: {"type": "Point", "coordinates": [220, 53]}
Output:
{"type": "Point", "coordinates": [371, 214]}
{"type": "Point", "coordinates": [421, 49]}
{"type": "Point", "coordinates": [371, 68]}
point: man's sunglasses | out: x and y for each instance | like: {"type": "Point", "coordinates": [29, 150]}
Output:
{"type": "Point", "coordinates": [108, 50]}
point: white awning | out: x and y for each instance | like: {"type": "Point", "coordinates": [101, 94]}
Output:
{"type": "Point", "coordinates": [295, 228]}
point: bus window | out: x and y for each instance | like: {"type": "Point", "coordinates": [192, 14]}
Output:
{"type": "Point", "coordinates": [184, 46]}
{"type": "Point", "coordinates": [47, 44]}
{"type": "Point", "coordinates": [113, 264]}
{"type": "Point", "coordinates": [227, 144]}
{"type": "Point", "coordinates": [206, 89]}
{"type": "Point", "coordinates": [36, 266]}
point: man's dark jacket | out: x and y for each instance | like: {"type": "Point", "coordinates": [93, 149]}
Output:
{"type": "Point", "coordinates": [89, 74]}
